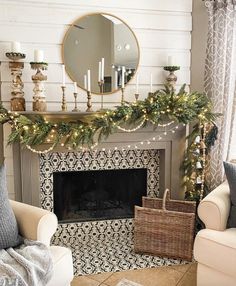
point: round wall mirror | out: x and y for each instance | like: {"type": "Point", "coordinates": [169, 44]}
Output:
{"type": "Point", "coordinates": [105, 45]}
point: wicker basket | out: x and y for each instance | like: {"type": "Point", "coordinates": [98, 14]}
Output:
{"type": "Point", "coordinates": [165, 227]}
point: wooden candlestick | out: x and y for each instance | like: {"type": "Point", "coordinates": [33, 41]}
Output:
{"type": "Point", "coordinates": [39, 98]}
{"type": "Point", "coordinates": [17, 93]}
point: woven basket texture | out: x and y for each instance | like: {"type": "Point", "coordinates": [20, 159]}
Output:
{"type": "Point", "coordinates": [165, 227]}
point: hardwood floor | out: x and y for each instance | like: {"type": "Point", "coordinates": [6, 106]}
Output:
{"type": "Point", "coordinates": [181, 275]}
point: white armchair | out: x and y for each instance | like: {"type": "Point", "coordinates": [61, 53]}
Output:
{"type": "Point", "coordinates": [215, 246]}
{"type": "Point", "coordinates": [38, 224]}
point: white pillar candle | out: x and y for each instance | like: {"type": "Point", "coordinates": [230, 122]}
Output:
{"type": "Point", "coordinates": [137, 83]}
{"type": "Point", "coordinates": [85, 81]}
{"type": "Point", "coordinates": [102, 69]}
{"type": "Point", "coordinates": [15, 47]}
{"type": "Point", "coordinates": [63, 76]}
{"type": "Point", "coordinates": [116, 80]}
{"type": "Point", "coordinates": [75, 87]}
{"type": "Point", "coordinates": [99, 71]}
{"type": "Point", "coordinates": [151, 82]}
{"type": "Point", "coordinates": [170, 61]}
{"type": "Point", "coordinates": [123, 77]}
{"type": "Point", "coordinates": [88, 81]}
{"type": "Point", "coordinates": [38, 56]}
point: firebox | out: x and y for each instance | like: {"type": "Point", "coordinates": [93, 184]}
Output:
{"type": "Point", "coordinates": [98, 194]}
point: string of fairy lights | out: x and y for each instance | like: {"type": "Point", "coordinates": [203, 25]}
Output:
{"type": "Point", "coordinates": [135, 145]}
{"type": "Point", "coordinates": [165, 110]}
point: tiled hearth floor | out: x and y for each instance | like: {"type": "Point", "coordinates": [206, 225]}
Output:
{"type": "Point", "coordinates": [106, 247]}
{"type": "Point", "coordinates": [178, 275]}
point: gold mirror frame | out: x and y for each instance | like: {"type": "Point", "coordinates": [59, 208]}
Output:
{"type": "Point", "coordinates": [63, 50]}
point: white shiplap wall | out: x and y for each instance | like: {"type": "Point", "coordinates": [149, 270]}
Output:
{"type": "Point", "coordinates": [162, 28]}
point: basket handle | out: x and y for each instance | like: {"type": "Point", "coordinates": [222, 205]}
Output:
{"type": "Point", "coordinates": [165, 198]}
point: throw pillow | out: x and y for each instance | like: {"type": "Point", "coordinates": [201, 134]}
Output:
{"type": "Point", "coordinates": [230, 171]}
{"type": "Point", "coordinates": [8, 226]}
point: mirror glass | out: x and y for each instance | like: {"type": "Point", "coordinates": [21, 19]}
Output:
{"type": "Point", "coordinates": [100, 38]}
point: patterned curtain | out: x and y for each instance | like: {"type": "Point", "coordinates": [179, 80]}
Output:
{"type": "Point", "coordinates": [220, 79]}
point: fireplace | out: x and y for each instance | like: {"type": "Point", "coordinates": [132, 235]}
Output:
{"type": "Point", "coordinates": [98, 194]}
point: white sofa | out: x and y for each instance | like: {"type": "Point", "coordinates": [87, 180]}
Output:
{"type": "Point", "coordinates": [215, 246]}
{"type": "Point", "coordinates": [38, 224]}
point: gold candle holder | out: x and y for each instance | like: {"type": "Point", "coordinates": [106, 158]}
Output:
{"type": "Point", "coordinates": [101, 87]}
{"type": "Point", "coordinates": [136, 96]}
{"type": "Point", "coordinates": [63, 102]}
{"type": "Point", "coordinates": [17, 93]}
{"type": "Point", "coordinates": [89, 102]}
{"type": "Point", "coordinates": [75, 108]}
{"type": "Point", "coordinates": [122, 95]}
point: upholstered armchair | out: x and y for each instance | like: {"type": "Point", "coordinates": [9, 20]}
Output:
{"type": "Point", "coordinates": [215, 246]}
{"type": "Point", "coordinates": [38, 224]}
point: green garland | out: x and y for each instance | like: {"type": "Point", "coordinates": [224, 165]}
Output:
{"type": "Point", "coordinates": [160, 107]}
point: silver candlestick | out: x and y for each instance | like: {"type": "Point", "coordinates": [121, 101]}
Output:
{"type": "Point", "coordinates": [75, 108]}
{"type": "Point", "coordinates": [171, 79]}
{"type": "Point", "coordinates": [136, 96]}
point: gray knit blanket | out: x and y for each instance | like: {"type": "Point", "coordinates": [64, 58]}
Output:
{"type": "Point", "coordinates": [29, 264]}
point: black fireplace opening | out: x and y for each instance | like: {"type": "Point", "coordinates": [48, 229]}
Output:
{"type": "Point", "coordinates": [98, 194]}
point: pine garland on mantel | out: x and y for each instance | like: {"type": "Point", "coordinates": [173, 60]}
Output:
{"type": "Point", "coordinates": [161, 107]}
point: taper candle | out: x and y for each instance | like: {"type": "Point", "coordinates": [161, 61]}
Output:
{"type": "Point", "coordinates": [88, 81]}
{"type": "Point", "coordinates": [151, 82]}
{"type": "Point", "coordinates": [123, 77]}
{"type": "Point", "coordinates": [137, 83]}
{"type": "Point", "coordinates": [116, 80]}
{"type": "Point", "coordinates": [75, 87]}
{"type": "Point", "coordinates": [99, 71]}
{"type": "Point", "coordinates": [85, 81]}
{"type": "Point", "coordinates": [102, 69]}
{"type": "Point", "coordinates": [63, 76]}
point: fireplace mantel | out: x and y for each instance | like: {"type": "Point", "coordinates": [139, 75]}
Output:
{"type": "Point", "coordinates": [171, 146]}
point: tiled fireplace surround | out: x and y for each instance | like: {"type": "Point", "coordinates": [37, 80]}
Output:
{"type": "Point", "coordinates": [162, 159]}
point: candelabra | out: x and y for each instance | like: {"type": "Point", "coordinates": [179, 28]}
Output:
{"type": "Point", "coordinates": [101, 87]}
{"type": "Point", "coordinates": [171, 78]}
{"type": "Point", "coordinates": [17, 93]}
{"type": "Point", "coordinates": [122, 95]}
{"type": "Point", "coordinates": [39, 101]}
{"type": "Point", "coordinates": [89, 102]}
{"type": "Point", "coordinates": [75, 108]}
{"type": "Point", "coordinates": [63, 101]}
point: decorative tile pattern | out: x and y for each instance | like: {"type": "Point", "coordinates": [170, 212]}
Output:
{"type": "Point", "coordinates": [105, 246]}
{"type": "Point", "coordinates": [100, 160]}
{"type": "Point", "coordinates": [101, 246]}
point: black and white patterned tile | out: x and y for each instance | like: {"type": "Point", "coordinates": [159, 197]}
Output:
{"type": "Point", "coordinates": [99, 160]}
{"type": "Point", "coordinates": [101, 246]}
{"type": "Point", "coordinates": [105, 246]}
